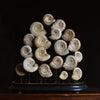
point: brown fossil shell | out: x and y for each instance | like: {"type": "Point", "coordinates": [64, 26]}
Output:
{"type": "Point", "coordinates": [63, 75]}
{"type": "Point", "coordinates": [42, 41]}
{"type": "Point", "coordinates": [41, 54]}
{"type": "Point", "coordinates": [74, 45]}
{"type": "Point", "coordinates": [28, 39]}
{"type": "Point", "coordinates": [20, 70]}
{"type": "Point", "coordinates": [45, 71]}
{"type": "Point", "coordinates": [57, 62]}
{"type": "Point", "coordinates": [48, 19]}
{"type": "Point", "coordinates": [70, 63]}
{"type": "Point", "coordinates": [77, 74]}
{"type": "Point", "coordinates": [68, 35]}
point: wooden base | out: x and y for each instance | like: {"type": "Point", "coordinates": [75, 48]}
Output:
{"type": "Point", "coordinates": [89, 94]}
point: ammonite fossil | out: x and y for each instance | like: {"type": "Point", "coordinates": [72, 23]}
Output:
{"type": "Point", "coordinates": [63, 75]}
{"type": "Point", "coordinates": [37, 28]}
{"type": "Point", "coordinates": [41, 54]}
{"type": "Point", "coordinates": [77, 74]}
{"type": "Point", "coordinates": [55, 34]}
{"type": "Point", "coordinates": [68, 35]}
{"type": "Point", "coordinates": [29, 65]}
{"type": "Point", "coordinates": [20, 70]}
{"type": "Point", "coordinates": [48, 19]}
{"type": "Point", "coordinates": [74, 45]}
{"type": "Point", "coordinates": [26, 51]}
{"type": "Point", "coordinates": [28, 39]}
{"type": "Point", "coordinates": [70, 63]}
{"type": "Point", "coordinates": [57, 62]}
{"type": "Point", "coordinates": [60, 47]}
{"type": "Point", "coordinates": [45, 71]}
{"type": "Point", "coordinates": [42, 41]}
{"type": "Point", "coordinates": [60, 24]}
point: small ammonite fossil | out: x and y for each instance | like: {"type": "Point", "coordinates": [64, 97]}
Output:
{"type": "Point", "coordinates": [57, 62]}
{"type": "Point", "coordinates": [29, 65]}
{"type": "Point", "coordinates": [77, 74]}
{"type": "Point", "coordinates": [26, 51]}
{"type": "Point", "coordinates": [74, 45]}
{"type": "Point", "coordinates": [20, 70]}
{"type": "Point", "coordinates": [41, 54]}
{"type": "Point", "coordinates": [63, 75]}
{"type": "Point", "coordinates": [68, 35]}
{"type": "Point", "coordinates": [45, 71]}
{"type": "Point", "coordinates": [60, 47]}
{"type": "Point", "coordinates": [48, 19]}
{"type": "Point", "coordinates": [70, 63]}
{"type": "Point", "coordinates": [37, 28]}
{"type": "Point", "coordinates": [28, 39]}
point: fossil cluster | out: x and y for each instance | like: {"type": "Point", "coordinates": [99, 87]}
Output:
{"type": "Point", "coordinates": [65, 42]}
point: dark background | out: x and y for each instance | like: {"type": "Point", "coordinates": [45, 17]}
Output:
{"type": "Point", "coordinates": [16, 18]}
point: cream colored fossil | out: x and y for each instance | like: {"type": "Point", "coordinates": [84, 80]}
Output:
{"type": "Point", "coordinates": [68, 35]}
{"type": "Point", "coordinates": [26, 51]}
{"type": "Point", "coordinates": [48, 19]}
{"type": "Point", "coordinates": [29, 65]}
{"type": "Point", "coordinates": [45, 71]}
{"type": "Point", "coordinates": [70, 63]}
{"type": "Point", "coordinates": [63, 75]}
{"type": "Point", "coordinates": [59, 24]}
{"type": "Point", "coordinates": [74, 45]}
{"type": "Point", "coordinates": [42, 41]}
{"type": "Point", "coordinates": [57, 62]}
{"type": "Point", "coordinates": [60, 47]}
{"type": "Point", "coordinates": [20, 70]}
{"type": "Point", "coordinates": [37, 28]}
{"type": "Point", "coordinates": [78, 56]}
{"type": "Point", "coordinates": [55, 34]}
{"type": "Point", "coordinates": [41, 54]}
{"type": "Point", "coordinates": [28, 39]}
{"type": "Point", "coordinates": [77, 74]}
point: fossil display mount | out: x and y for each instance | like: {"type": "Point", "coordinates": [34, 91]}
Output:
{"type": "Point", "coordinates": [50, 58]}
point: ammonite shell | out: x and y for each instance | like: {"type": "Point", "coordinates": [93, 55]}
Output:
{"type": "Point", "coordinates": [59, 24]}
{"type": "Point", "coordinates": [63, 75]}
{"type": "Point", "coordinates": [78, 56]}
{"type": "Point", "coordinates": [20, 70]}
{"type": "Point", "coordinates": [48, 19]}
{"type": "Point", "coordinates": [68, 35]}
{"type": "Point", "coordinates": [29, 65]}
{"type": "Point", "coordinates": [74, 45]}
{"type": "Point", "coordinates": [45, 71]}
{"type": "Point", "coordinates": [28, 39]}
{"type": "Point", "coordinates": [70, 63]}
{"type": "Point", "coordinates": [41, 54]}
{"type": "Point", "coordinates": [37, 28]}
{"type": "Point", "coordinates": [57, 62]}
{"type": "Point", "coordinates": [60, 47]}
{"type": "Point", "coordinates": [77, 74]}
{"type": "Point", "coordinates": [26, 51]}
{"type": "Point", "coordinates": [55, 34]}
{"type": "Point", "coordinates": [42, 41]}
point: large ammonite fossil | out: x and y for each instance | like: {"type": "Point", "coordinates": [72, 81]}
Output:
{"type": "Point", "coordinates": [61, 40]}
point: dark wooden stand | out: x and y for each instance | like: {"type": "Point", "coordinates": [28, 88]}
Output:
{"type": "Point", "coordinates": [89, 94]}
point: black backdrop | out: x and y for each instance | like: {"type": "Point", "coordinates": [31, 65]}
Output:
{"type": "Point", "coordinates": [16, 17]}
